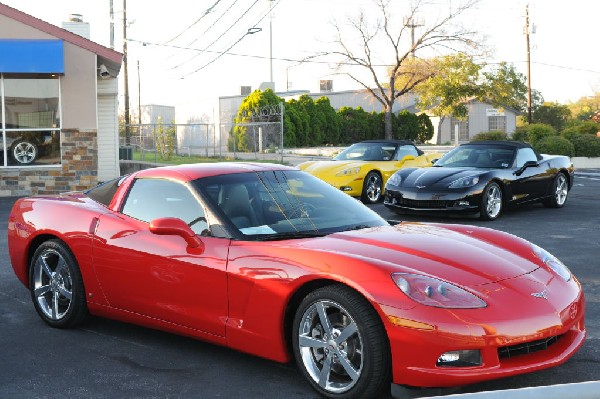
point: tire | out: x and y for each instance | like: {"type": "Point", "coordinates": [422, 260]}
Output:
{"type": "Point", "coordinates": [372, 188]}
{"type": "Point", "coordinates": [491, 202]}
{"type": "Point", "coordinates": [56, 286]}
{"type": "Point", "coordinates": [559, 193]}
{"type": "Point", "coordinates": [24, 152]}
{"type": "Point", "coordinates": [340, 344]}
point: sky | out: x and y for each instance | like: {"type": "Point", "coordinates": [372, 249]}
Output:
{"type": "Point", "coordinates": [191, 52]}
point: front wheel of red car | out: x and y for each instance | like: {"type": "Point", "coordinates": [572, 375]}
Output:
{"type": "Point", "coordinates": [56, 285]}
{"type": "Point", "coordinates": [340, 344]}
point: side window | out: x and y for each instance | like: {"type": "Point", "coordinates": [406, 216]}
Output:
{"type": "Point", "coordinates": [406, 150]}
{"type": "Point", "coordinates": [149, 199]}
{"type": "Point", "coordinates": [524, 155]}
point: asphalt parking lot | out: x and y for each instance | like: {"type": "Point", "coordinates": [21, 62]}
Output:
{"type": "Point", "coordinates": [105, 358]}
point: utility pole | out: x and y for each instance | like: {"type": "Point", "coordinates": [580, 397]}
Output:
{"type": "Point", "coordinates": [112, 25]}
{"type": "Point", "coordinates": [139, 97]}
{"type": "Point", "coordinates": [127, 120]}
{"type": "Point", "coordinates": [527, 32]}
{"type": "Point", "coordinates": [412, 24]}
{"type": "Point", "coordinates": [271, 39]}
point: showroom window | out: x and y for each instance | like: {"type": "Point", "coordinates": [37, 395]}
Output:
{"type": "Point", "coordinates": [30, 120]}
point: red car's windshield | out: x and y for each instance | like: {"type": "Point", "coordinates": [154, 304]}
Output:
{"type": "Point", "coordinates": [284, 203]}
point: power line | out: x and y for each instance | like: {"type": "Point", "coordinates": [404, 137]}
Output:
{"type": "Point", "coordinates": [218, 38]}
{"type": "Point", "coordinates": [205, 13]}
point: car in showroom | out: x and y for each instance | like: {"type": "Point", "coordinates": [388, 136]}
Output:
{"type": "Point", "coordinates": [24, 148]}
{"type": "Point", "coordinates": [482, 177]}
{"type": "Point", "coordinates": [362, 169]}
{"type": "Point", "coordinates": [269, 260]}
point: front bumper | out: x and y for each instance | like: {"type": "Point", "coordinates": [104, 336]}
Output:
{"type": "Point", "coordinates": [529, 342]}
{"type": "Point", "coordinates": [414, 200]}
{"type": "Point", "coordinates": [351, 185]}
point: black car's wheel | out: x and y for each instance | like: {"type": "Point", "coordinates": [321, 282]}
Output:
{"type": "Point", "coordinates": [491, 202]}
{"type": "Point", "coordinates": [56, 285]}
{"type": "Point", "coordinates": [559, 193]}
{"type": "Point", "coordinates": [24, 152]}
{"type": "Point", "coordinates": [372, 188]}
{"type": "Point", "coordinates": [340, 344]}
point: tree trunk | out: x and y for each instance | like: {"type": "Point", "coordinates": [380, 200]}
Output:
{"type": "Point", "coordinates": [438, 141]}
{"type": "Point", "coordinates": [388, 122]}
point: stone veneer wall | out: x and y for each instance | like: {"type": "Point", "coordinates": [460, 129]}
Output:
{"type": "Point", "coordinates": [78, 171]}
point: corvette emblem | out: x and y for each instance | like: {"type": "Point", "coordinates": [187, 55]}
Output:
{"type": "Point", "coordinates": [573, 311]}
{"type": "Point", "coordinates": [543, 294]}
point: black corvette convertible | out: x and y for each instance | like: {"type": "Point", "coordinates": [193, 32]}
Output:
{"type": "Point", "coordinates": [482, 177]}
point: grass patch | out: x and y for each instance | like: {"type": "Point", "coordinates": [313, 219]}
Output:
{"type": "Point", "coordinates": [185, 159]}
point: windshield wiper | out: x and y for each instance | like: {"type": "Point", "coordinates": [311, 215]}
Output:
{"type": "Point", "coordinates": [289, 235]}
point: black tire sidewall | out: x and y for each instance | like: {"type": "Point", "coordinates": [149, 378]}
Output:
{"type": "Point", "coordinates": [376, 371]}
{"type": "Point", "coordinates": [77, 312]}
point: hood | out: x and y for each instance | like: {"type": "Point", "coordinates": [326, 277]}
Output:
{"type": "Point", "coordinates": [437, 177]}
{"type": "Point", "coordinates": [329, 167]}
{"type": "Point", "coordinates": [464, 255]}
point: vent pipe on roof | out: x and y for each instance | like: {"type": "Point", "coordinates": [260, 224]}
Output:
{"type": "Point", "coordinates": [76, 25]}
{"type": "Point", "coordinates": [75, 18]}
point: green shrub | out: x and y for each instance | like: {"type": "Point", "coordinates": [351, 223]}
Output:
{"type": "Point", "coordinates": [554, 145]}
{"type": "Point", "coordinates": [539, 131]}
{"type": "Point", "coordinates": [494, 135]}
{"type": "Point", "coordinates": [570, 133]}
{"type": "Point", "coordinates": [587, 145]}
{"type": "Point", "coordinates": [520, 134]}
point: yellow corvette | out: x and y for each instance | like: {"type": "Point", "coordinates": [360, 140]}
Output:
{"type": "Point", "coordinates": [362, 169]}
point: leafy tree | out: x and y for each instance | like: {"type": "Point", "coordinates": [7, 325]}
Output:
{"type": "Point", "coordinates": [165, 140]}
{"type": "Point", "coordinates": [504, 86]}
{"type": "Point", "coordinates": [586, 107]}
{"type": "Point", "coordinates": [358, 50]}
{"type": "Point", "coordinates": [249, 112]}
{"type": "Point", "coordinates": [446, 93]}
{"type": "Point", "coordinates": [299, 124]}
{"type": "Point", "coordinates": [553, 114]}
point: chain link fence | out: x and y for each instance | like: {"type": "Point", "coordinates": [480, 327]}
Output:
{"type": "Point", "coordinates": [258, 136]}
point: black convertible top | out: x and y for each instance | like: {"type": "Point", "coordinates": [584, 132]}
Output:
{"type": "Point", "coordinates": [512, 144]}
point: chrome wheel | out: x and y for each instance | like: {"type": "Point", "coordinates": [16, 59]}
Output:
{"type": "Point", "coordinates": [491, 203]}
{"type": "Point", "coordinates": [52, 284]}
{"type": "Point", "coordinates": [56, 285]}
{"type": "Point", "coordinates": [330, 346]}
{"type": "Point", "coordinates": [24, 152]}
{"type": "Point", "coordinates": [372, 188]}
{"type": "Point", "coordinates": [561, 190]}
{"type": "Point", "coordinates": [340, 344]}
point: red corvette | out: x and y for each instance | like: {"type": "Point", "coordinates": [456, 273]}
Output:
{"type": "Point", "coordinates": [269, 260]}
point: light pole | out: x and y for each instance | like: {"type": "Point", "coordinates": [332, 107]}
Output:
{"type": "Point", "coordinates": [271, 40]}
{"type": "Point", "coordinates": [125, 77]}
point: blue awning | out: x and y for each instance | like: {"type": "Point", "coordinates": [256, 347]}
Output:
{"type": "Point", "coordinates": [31, 56]}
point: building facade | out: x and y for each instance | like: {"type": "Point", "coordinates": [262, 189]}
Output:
{"type": "Point", "coordinates": [59, 108]}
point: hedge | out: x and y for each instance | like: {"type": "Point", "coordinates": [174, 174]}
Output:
{"type": "Point", "coordinates": [555, 145]}
{"type": "Point", "coordinates": [494, 135]}
{"type": "Point", "coordinates": [586, 145]}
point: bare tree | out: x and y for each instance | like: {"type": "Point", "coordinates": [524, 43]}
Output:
{"type": "Point", "coordinates": [395, 42]}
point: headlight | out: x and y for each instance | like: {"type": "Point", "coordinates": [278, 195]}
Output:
{"type": "Point", "coordinates": [348, 172]}
{"type": "Point", "coordinates": [430, 291]}
{"type": "Point", "coordinates": [395, 180]}
{"type": "Point", "coordinates": [552, 262]}
{"type": "Point", "coordinates": [468, 181]}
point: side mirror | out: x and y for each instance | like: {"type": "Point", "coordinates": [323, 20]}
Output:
{"type": "Point", "coordinates": [176, 227]}
{"type": "Point", "coordinates": [528, 164]}
{"type": "Point", "coordinates": [433, 161]}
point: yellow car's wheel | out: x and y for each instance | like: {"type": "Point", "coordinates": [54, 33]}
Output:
{"type": "Point", "coordinates": [372, 188]}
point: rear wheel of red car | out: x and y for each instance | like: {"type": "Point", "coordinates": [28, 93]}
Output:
{"type": "Point", "coordinates": [340, 344]}
{"type": "Point", "coordinates": [56, 285]}
{"type": "Point", "coordinates": [372, 188]}
{"type": "Point", "coordinates": [491, 202]}
{"type": "Point", "coordinates": [560, 191]}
